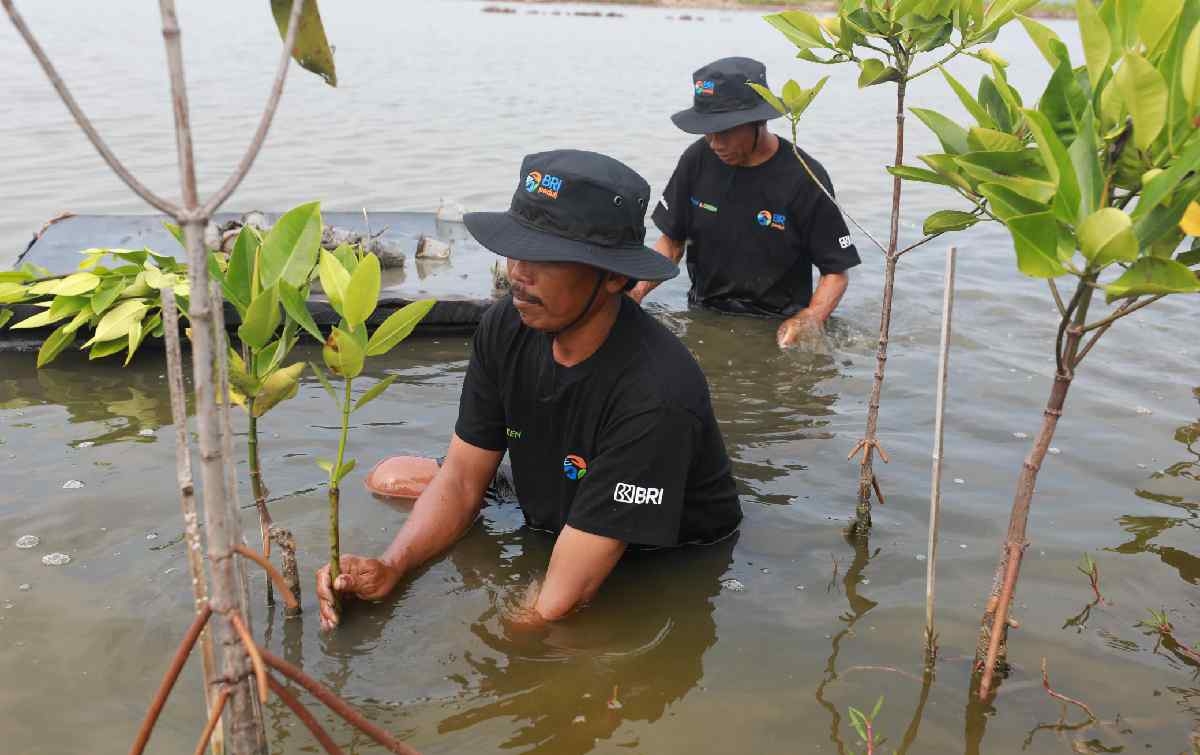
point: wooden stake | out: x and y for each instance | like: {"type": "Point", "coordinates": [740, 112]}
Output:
{"type": "Point", "coordinates": [935, 487]}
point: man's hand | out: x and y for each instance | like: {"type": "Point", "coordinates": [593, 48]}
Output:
{"type": "Point", "coordinates": [805, 329]}
{"type": "Point", "coordinates": [363, 578]}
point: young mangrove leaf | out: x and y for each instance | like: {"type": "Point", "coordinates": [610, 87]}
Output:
{"type": "Point", "coordinates": [54, 345]}
{"type": "Point", "coordinates": [294, 303]}
{"type": "Point", "coordinates": [262, 319]}
{"type": "Point", "coordinates": [1144, 92]}
{"type": "Point", "coordinates": [1058, 166]}
{"type": "Point", "coordinates": [324, 381]}
{"type": "Point", "coordinates": [290, 249]}
{"type": "Point", "coordinates": [1035, 240]}
{"type": "Point", "coordinates": [952, 136]}
{"type": "Point", "coordinates": [1106, 236]}
{"type": "Point", "coordinates": [373, 392]}
{"type": "Point", "coordinates": [239, 273]}
{"type": "Point", "coordinates": [343, 355]}
{"type": "Point", "coordinates": [346, 468]}
{"type": "Point", "coordinates": [1153, 275]}
{"type": "Point", "coordinates": [943, 221]}
{"type": "Point", "coordinates": [362, 292]}
{"type": "Point", "coordinates": [5, 316]}
{"type": "Point", "coordinates": [397, 327]}
{"type": "Point", "coordinates": [105, 349]}
{"type": "Point", "coordinates": [1048, 43]}
{"type": "Point", "coordinates": [334, 281]}
{"type": "Point", "coordinates": [972, 105]}
{"type": "Point", "coordinates": [327, 465]}
{"type": "Point", "coordinates": [769, 96]}
{"type": "Point", "coordinates": [312, 50]}
{"type": "Point", "coordinates": [281, 385]}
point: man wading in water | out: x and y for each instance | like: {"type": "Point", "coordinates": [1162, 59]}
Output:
{"type": "Point", "coordinates": [756, 222]}
{"type": "Point", "coordinates": [605, 415]}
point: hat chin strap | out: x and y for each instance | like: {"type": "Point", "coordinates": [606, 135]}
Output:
{"type": "Point", "coordinates": [586, 308]}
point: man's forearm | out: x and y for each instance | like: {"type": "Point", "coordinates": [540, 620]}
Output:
{"type": "Point", "coordinates": [439, 518]}
{"type": "Point", "coordinates": [667, 247]}
{"type": "Point", "coordinates": [829, 292]}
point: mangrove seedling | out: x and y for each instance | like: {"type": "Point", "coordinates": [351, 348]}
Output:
{"type": "Point", "coordinates": [865, 725]}
{"type": "Point", "coordinates": [1087, 567]}
{"type": "Point", "coordinates": [1097, 186]}
{"type": "Point", "coordinates": [885, 39]}
{"type": "Point", "coordinates": [352, 283]}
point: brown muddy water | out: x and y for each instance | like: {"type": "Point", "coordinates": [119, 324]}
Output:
{"type": "Point", "coordinates": [439, 101]}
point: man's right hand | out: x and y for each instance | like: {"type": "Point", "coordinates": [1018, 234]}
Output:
{"type": "Point", "coordinates": [363, 578]}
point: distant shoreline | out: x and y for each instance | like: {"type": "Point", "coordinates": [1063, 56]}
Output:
{"type": "Point", "coordinates": [1044, 10]}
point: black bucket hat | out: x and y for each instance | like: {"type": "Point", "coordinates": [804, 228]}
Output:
{"type": "Point", "coordinates": [721, 98]}
{"type": "Point", "coordinates": [575, 206]}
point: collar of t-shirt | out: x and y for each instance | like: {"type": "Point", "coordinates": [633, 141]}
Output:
{"type": "Point", "coordinates": [554, 378]}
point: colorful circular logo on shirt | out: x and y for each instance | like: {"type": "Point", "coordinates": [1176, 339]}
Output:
{"type": "Point", "coordinates": [764, 218]}
{"type": "Point", "coordinates": [532, 181]}
{"type": "Point", "coordinates": [574, 467]}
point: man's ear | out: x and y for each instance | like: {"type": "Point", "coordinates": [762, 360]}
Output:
{"type": "Point", "coordinates": [615, 284]}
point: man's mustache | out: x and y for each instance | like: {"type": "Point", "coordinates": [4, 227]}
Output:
{"type": "Point", "coordinates": [519, 292]}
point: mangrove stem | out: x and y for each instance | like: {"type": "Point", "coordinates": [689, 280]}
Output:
{"type": "Point", "coordinates": [258, 488]}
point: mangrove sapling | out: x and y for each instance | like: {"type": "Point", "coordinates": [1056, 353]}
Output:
{"type": "Point", "coordinates": [865, 725]}
{"type": "Point", "coordinates": [885, 39]}
{"type": "Point", "coordinates": [1093, 185]}
{"type": "Point", "coordinates": [352, 283]}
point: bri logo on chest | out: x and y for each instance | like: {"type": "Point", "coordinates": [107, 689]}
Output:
{"type": "Point", "coordinates": [768, 219]}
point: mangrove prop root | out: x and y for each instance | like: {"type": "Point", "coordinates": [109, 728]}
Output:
{"type": "Point", "coordinates": [260, 669]}
{"type": "Point", "coordinates": [242, 550]}
{"type": "Point", "coordinates": [305, 716]}
{"type": "Point", "coordinates": [1000, 618]}
{"type": "Point", "coordinates": [1063, 698]}
{"type": "Point", "coordinates": [168, 682]}
{"type": "Point", "coordinates": [291, 571]}
{"type": "Point", "coordinates": [214, 718]}
{"type": "Point", "coordinates": [337, 705]}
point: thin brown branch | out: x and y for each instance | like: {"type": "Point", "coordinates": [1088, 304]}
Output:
{"type": "Point", "coordinates": [305, 716]}
{"type": "Point", "coordinates": [916, 244]}
{"type": "Point", "coordinates": [1127, 309]}
{"type": "Point", "coordinates": [1058, 301]}
{"type": "Point", "coordinates": [337, 705]}
{"type": "Point", "coordinates": [168, 682]}
{"type": "Point", "coordinates": [260, 669]}
{"type": "Point", "coordinates": [84, 123]}
{"type": "Point", "coordinates": [179, 103]}
{"type": "Point", "coordinates": [276, 577]}
{"type": "Point", "coordinates": [214, 718]}
{"type": "Point", "coordinates": [264, 124]}
{"type": "Point", "coordinates": [1063, 698]}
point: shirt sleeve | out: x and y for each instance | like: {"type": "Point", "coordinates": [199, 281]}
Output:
{"type": "Point", "coordinates": [635, 487]}
{"type": "Point", "coordinates": [672, 214]}
{"type": "Point", "coordinates": [826, 236]}
{"type": "Point", "coordinates": [480, 407]}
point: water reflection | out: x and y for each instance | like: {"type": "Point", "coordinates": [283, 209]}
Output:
{"type": "Point", "coordinates": [636, 650]}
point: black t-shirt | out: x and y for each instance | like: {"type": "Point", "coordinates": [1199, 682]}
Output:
{"type": "Point", "coordinates": [755, 233]}
{"type": "Point", "coordinates": [622, 445]}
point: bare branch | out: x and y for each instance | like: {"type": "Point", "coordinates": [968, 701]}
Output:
{"type": "Point", "coordinates": [1064, 698]}
{"type": "Point", "coordinates": [922, 242]}
{"type": "Point", "coordinates": [1127, 309]}
{"type": "Point", "coordinates": [264, 124]}
{"type": "Point", "coordinates": [1058, 302]}
{"type": "Point", "coordinates": [179, 104]}
{"type": "Point", "coordinates": [84, 123]}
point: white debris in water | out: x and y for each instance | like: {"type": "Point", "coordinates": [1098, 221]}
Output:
{"type": "Point", "coordinates": [615, 704]}
{"type": "Point", "coordinates": [146, 432]}
{"type": "Point", "coordinates": [766, 571]}
{"type": "Point", "coordinates": [1020, 436]}
{"type": "Point", "coordinates": [171, 570]}
{"type": "Point", "coordinates": [152, 536]}
{"type": "Point", "coordinates": [962, 545]}
{"type": "Point", "coordinates": [72, 485]}
{"type": "Point", "coordinates": [1144, 410]}
{"type": "Point", "coordinates": [25, 587]}
{"type": "Point", "coordinates": [959, 481]}
{"type": "Point", "coordinates": [56, 559]}
{"type": "Point", "coordinates": [1141, 466]}
{"type": "Point", "coordinates": [8, 605]}
{"type": "Point", "coordinates": [799, 587]}
{"type": "Point", "coordinates": [25, 542]}
{"type": "Point", "coordinates": [920, 556]}
{"type": "Point", "coordinates": [579, 720]}
{"type": "Point", "coordinates": [85, 444]}
{"type": "Point", "coordinates": [1054, 450]}
{"type": "Point", "coordinates": [865, 581]}
{"type": "Point", "coordinates": [733, 585]}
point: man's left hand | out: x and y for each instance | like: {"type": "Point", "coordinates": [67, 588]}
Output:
{"type": "Point", "coordinates": [805, 329]}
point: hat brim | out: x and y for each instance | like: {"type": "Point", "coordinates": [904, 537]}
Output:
{"type": "Point", "coordinates": [694, 122]}
{"type": "Point", "coordinates": [503, 234]}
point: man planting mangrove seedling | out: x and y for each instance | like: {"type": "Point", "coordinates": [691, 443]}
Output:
{"type": "Point", "coordinates": [604, 413]}
{"type": "Point", "coordinates": [754, 221]}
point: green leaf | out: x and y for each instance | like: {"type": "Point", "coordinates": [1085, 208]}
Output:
{"type": "Point", "coordinates": [943, 221]}
{"type": "Point", "coordinates": [12, 293]}
{"type": "Point", "coordinates": [345, 469]}
{"type": "Point", "coordinates": [362, 292]}
{"type": "Point", "coordinates": [334, 281]}
{"type": "Point", "coordinates": [106, 349]}
{"type": "Point", "coordinates": [802, 29]}
{"type": "Point", "coordinates": [239, 273]}
{"type": "Point", "coordinates": [373, 392]}
{"type": "Point", "coordinates": [1084, 154]}
{"type": "Point", "coordinates": [1000, 13]}
{"type": "Point", "coordinates": [78, 321]}
{"type": "Point", "coordinates": [989, 140]}
{"type": "Point", "coordinates": [40, 320]}
{"type": "Point", "coordinates": [1097, 44]}
{"type": "Point", "coordinates": [64, 306]}
{"type": "Point", "coordinates": [290, 249]}
{"type": "Point", "coordinates": [54, 345]}
{"type": "Point", "coordinates": [1158, 189]}
{"type": "Point", "coordinates": [1157, 18]}
{"type": "Point", "coordinates": [1058, 166]}
{"type": "Point", "coordinates": [873, 71]}
{"type": "Point", "coordinates": [104, 296]}
{"type": "Point", "coordinates": [239, 376]}
{"type": "Point", "coordinates": [343, 355]}
{"type": "Point", "coordinates": [262, 319]}
{"type": "Point", "coordinates": [281, 385]}
{"type": "Point", "coordinates": [1106, 236]}
{"type": "Point", "coordinates": [1043, 37]}
{"type": "Point", "coordinates": [116, 323]}
{"type": "Point", "coordinates": [952, 136]}
{"type": "Point", "coordinates": [5, 316]}
{"type": "Point", "coordinates": [295, 304]}
{"type": "Point", "coordinates": [1035, 239]}
{"type": "Point", "coordinates": [312, 50]}
{"type": "Point", "coordinates": [324, 381]}
{"type": "Point", "coordinates": [769, 96]}
{"type": "Point", "coordinates": [1063, 102]}
{"type": "Point", "coordinates": [347, 255]}
{"type": "Point", "coordinates": [1144, 92]}
{"type": "Point", "coordinates": [972, 105]}
{"type": "Point", "coordinates": [910, 173]}
{"type": "Point", "coordinates": [397, 327]}
{"type": "Point", "coordinates": [176, 232]}
{"type": "Point", "coordinates": [326, 464]}
{"type": "Point", "coordinates": [76, 284]}
{"type": "Point", "coordinates": [1153, 275]}
{"type": "Point", "coordinates": [948, 168]}
{"type": "Point", "coordinates": [995, 105]}
{"type": "Point", "coordinates": [1023, 172]}
{"type": "Point", "coordinates": [14, 276]}
{"type": "Point", "coordinates": [134, 337]}
{"type": "Point", "coordinates": [1189, 70]}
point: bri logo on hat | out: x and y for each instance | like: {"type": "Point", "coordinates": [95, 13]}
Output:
{"type": "Point", "coordinates": [768, 219]}
{"type": "Point", "coordinates": [537, 183]}
{"type": "Point", "coordinates": [705, 88]}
